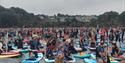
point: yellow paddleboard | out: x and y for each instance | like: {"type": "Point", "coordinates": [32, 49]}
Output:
{"type": "Point", "coordinates": [9, 56]}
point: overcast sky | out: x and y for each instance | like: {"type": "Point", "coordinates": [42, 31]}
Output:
{"type": "Point", "coordinates": [73, 7]}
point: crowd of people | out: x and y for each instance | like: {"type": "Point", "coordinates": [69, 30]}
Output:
{"type": "Point", "coordinates": [61, 43]}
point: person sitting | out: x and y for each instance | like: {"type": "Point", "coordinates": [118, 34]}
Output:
{"type": "Point", "coordinates": [92, 46]}
{"type": "Point", "coordinates": [115, 50]}
{"type": "Point", "coordinates": [100, 52]}
{"type": "Point", "coordinates": [60, 55]}
{"type": "Point", "coordinates": [68, 49]}
{"type": "Point", "coordinates": [9, 44]}
{"type": "Point", "coordinates": [72, 49]}
{"type": "Point", "coordinates": [81, 43]}
{"type": "Point", "coordinates": [49, 54]}
{"type": "Point", "coordinates": [67, 55]}
{"type": "Point", "coordinates": [20, 44]}
{"type": "Point", "coordinates": [34, 45]}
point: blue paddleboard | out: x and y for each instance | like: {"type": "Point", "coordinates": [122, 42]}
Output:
{"type": "Point", "coordinates": [36, 60]}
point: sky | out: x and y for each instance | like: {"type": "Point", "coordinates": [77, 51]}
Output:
{"type": "Point", "coordinates": [71, 7]}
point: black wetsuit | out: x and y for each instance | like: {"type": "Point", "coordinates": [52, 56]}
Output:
{"type": "Point", "coordinates": [20, 43]}
{"type": "Point", "coordinates": [72, 49]}
{"type": "Point", "coordinates": [117, 36]}
{"type": "Point", "coordinates": [122, 38]}
{"type": "Point", "coordinates": [9, 44]}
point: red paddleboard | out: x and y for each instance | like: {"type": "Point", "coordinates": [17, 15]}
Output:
{"type": "Point", "coordinates": [120, 56]}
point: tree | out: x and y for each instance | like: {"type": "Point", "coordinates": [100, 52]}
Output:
{"type": "Point", "coordinates": [122, 18]}
{"type": "Point", "coordinates": [108, 18]}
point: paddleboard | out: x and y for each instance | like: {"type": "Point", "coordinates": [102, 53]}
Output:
{"type": "Point", "coordinates": [82, 56]}
{"type": "Point", "coordinates": [72, 61]}
{"type": "Point", "coordinates": [89, 60]}
{"type": "Point", "coordinates": [36, 60]}
{"type": "Point", "coordinates": [49, 61]}
{"type": "Point", "coordinates": [21, 50]}
{"type": "Point", "coordinates": [114, 61]}
{"type": "Point", "coordinates": [9, 56]}
{"type": "Point", "coordinates": [24, 50]}
{"type": "Point", "coordinates": [9, 53]}
{"type": "Point", "coordinates": [93, 56]}
{"type": "Point", "coordinates": [122, 49]}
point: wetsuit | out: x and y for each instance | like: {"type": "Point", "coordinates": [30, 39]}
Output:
{"type": "Point", "coordinates": [117, 36]}
{"type": "Point", "coordinates": [9, 44]}
{"type": "Point", "coordinates": [123, 32]}
{"type": "Point", "coordinates": [20, 43]}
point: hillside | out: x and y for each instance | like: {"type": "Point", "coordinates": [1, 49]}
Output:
{"type": "Point", "coordinates": [17, 17]}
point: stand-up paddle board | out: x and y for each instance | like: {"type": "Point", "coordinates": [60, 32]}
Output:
{"type": "Point", "coordinates": [9, 56]}
{"type": "Point", "coordinates": [36, 60]}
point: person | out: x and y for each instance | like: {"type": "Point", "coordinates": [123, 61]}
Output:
{"type": "Point", "coordinates": [100, 52]}
{"type": "Point", "coordinates": [81, 43]}
{"type": "Point", "coordinates": [9, 44]}
{"type": "Point", "coordinates": [117, 36]}
{"type": "Point", "coordinates": [34, 46]}
{"type": "Point", "coordinates": [49, 54]}
{"type": "Point", "coordinates": [72, 49]}
{"type": "Point", "coordinates": [68, 49]}
{"type": "Point", "coordinates": [123, 32]}
{"type": "Point", "coordinates": [111, 36]}
{"type": "Point", "coordinates": [92, 46]}
{"type": "Point", "coordinates": [60, 55]}
{"type": "Point", "coordinates": [115, 50]}
{"type": "Point", "coordinates": [99, 49]}
{"type": "Point", "coordinates": [20, 43]}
